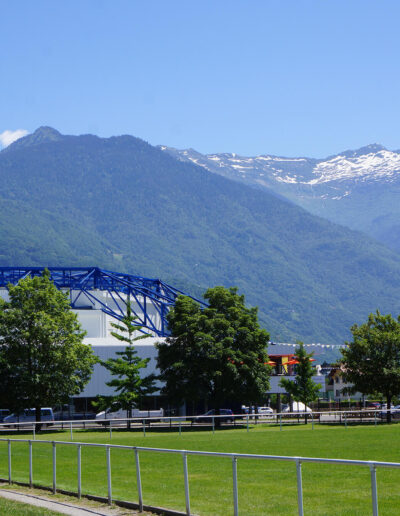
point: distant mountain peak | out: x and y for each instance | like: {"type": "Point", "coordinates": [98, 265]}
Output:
{"type": "Point", "coordinates": [46, 132]}
{"type": "Point", "coordinates": [43, 134]}
{"type": "Point", "coordinates": [372, 148]}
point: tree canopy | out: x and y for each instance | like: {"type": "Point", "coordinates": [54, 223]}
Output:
{"type": "Point", "coordinates": [302, 388]}
{"type": "Point", "coordinates": [214, 354]}
{"type": "Point", "coordinates": [129, 386]}
{"type": "Point", "coordinates": [43, 360]}
{"type": "Point", "coordinates": [371, 362]}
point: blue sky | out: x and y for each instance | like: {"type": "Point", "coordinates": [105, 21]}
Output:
{"type": "Point", "coordinates": [253, 77]}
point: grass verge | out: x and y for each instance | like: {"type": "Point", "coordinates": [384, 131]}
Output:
{"type": "Point", "coordinates": [10, 508]}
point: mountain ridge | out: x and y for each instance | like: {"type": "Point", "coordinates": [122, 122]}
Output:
{"type": "Point", "coordinates": [123, 204]}
{"type": "Point", "coordinates": [355, 188]}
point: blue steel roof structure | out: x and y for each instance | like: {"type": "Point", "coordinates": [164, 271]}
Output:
{"type": "Point", "coordinates": [82, 282]}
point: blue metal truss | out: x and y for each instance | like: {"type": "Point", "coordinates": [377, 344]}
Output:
{"type": "Point", "coordinates": [83, 282]}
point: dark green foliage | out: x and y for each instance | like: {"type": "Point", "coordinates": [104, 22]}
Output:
{"type": "Point", "coordinates": [217, 354]}
{"type": "Point", "coordinates": [129, 386]}
{"type": "Point", "coordinates": [303, 388]}
{"type": "Point", "coordinates": [42, 358]}
{"type": "Point", "coordinates": [372, 360]}
{"type": "Point", "coordinates": [94, 199]}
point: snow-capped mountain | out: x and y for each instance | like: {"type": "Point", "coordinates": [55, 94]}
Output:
{"type": "Point", "coordinates": [373, 162]}
{"type": "Point", "coordinates": [357, 188]}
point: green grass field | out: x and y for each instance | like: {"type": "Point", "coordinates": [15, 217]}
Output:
{"type": "Point", "coordinates": [265, 487]}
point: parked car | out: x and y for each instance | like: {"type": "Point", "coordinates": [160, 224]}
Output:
{"type": "Point", "coordinates": [65, 415]}
{"type": "Point", "coordinates": [227, 414]}
{"type": "Point", "coordinates": [260, 410]}
{"type": "Point", "coordinates": [265, 411]}
{"type": "Point", "coordinates": [373, 404]}
{"type": "Point", "coordinates": [4, 413]}
{"type": "Point", "coordinates": [394, 410]}
{"type": "Point", "coordinates": [29, 416]}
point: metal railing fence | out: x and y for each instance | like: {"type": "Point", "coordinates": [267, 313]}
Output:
{"type": "Point", "coordinates": [372, 465]}
{"type": "Point", "coordinates": [341, 417]}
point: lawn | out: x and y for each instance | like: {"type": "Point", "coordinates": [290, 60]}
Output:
{"type": "Point", "coordinates": [10, 508]}
{"type": "Point", "coordinates": [265, 487]}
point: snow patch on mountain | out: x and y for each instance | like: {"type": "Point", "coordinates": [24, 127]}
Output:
{"type": "Point", "coordinates": [330, 178]}
{"type": "Point", "coordinates": [382, 164]}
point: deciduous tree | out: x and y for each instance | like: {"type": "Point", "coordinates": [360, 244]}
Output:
{"type": "Point", "coordinates": [371, 362]}
{"type": "Point", "coordinates": [43, 361]}
{"type": "Point", "coordinates": [215, 354]}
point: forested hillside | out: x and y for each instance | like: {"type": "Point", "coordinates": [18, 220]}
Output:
{"type": "Point", "coordinates": [121, 203]}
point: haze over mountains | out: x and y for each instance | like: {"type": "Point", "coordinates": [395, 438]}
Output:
{"type": "Point", "coordinates": [121, 203]}
{"type": "Point", "coordinates": [357, 188]}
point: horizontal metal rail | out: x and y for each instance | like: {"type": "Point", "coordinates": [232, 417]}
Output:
{"type": "Point", "coordinates": [298, 460]}
{"type": "Point", "coordinates": [342, 414]}
{"type": "Point", "coordinates": [217, 454]}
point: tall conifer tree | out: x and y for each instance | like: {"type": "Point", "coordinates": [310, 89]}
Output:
{"type": "Point", "coordinates": [129, 385]}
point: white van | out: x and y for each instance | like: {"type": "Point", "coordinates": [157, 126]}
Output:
{"type": "Point", "coordinates": [121, 414]}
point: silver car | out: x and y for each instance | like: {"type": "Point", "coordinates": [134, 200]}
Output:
{"type": "Point", "coordinates": [29, 416]}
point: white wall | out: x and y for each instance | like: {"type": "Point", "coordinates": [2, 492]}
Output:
{"type": "Point", "coordinates": [275, 388]}
{"type": "Point", "coordinates": [107, 348]}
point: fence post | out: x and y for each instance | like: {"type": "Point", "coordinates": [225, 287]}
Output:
{"type": "Point", "coordinates": [110, 429]}
{"type": "Point", "coordinates": [213, 424]}
{"type": "Point", "coordinates": [79, 466]}
{"type": "Point", "coordinates": [235, 487]}
{"type": "Point", "coordinates": [374, 490]}
{"type": "Point", "coordinates": [186, 477]}
{"type": "Point", "coordinates": [247, 422]}
{"type": "Point", "coordinates": [70, 430]}
{"type": "Point", "coordinates": [144, 428]}
{"type": "Point", "coordinates": [54, 469]}
{"type": "Point", "coordinates": [280, 421]}
{"type": "Point", "coordinates": [312, 421]}
{"type": "Point", "coordinates": [9, 461]}
{"type": "Point", "coordinates": [109, 475]}
{"type": "Point", "coordinates": [180, 424]}
{"type": "Point", "coordinates": [34, 430]}
{"type": "Point", "coordinates": [299, 488]}
{"type": "Point", "coordinates": [139, 481]}
{"type": "Point", "coordinates": [30, 465]}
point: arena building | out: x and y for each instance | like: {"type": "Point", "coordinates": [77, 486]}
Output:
{"type": "Point", "coordinates": [99, 297]}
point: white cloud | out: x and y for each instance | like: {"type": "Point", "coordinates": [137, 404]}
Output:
{"type": "Point", "coordinates": [8, 137]}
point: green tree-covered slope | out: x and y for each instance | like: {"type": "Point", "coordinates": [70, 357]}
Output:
{"type": "Point", "coordinates": [123, 204]}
